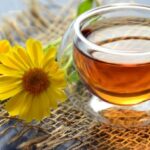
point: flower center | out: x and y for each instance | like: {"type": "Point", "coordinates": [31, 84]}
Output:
{"type": "Point", "coordinates": [35, 81]}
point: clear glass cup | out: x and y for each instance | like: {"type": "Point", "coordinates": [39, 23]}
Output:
{"type": "Point", "coordinates": [110, 47]}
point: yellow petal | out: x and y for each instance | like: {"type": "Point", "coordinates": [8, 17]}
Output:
{"type": "Point", "coordinates": [10, 61]}
{"type": "Point", "coordinates": [59, 74]}
{"type": "Point", "coordinates": [49, 56]}
{"type": "Point", "coordinates": [52, 99]}
{"type": "Point", "coordinates": [6, 71]}
{"type": "Point", "coordinates": [5, 61]}
{"type": "Point", "coordinates": [45, 101]}
{"type": "Point", "coordinates": [61, 95]}
{"type": "Point", "coordinates": [6, 80]}
{"type": "Point", "coordinates": [17, 60]}
{"type": "Point", "coordinates": [60, 83]}
{"type": "Point", "coordinates": [34, 49]}
{"type": "Point", "coordinates": [26, 111]}
{"type": "Point", "coordinates": [51, 67]}
{"type": "Point", "coordinates": [7, 87]}
{"type": "Point", "coordinates": [17, 53]}
{"type": "Point", "coordinates": [11, 93]}
{"type": "Point", "coordinates": [36, 114]}
{"type": "Point", "coordinates": [22, 106]}
{"type": "Point", "coordinates": [58, 94]}
{"type": "Point", "coordinates": [4, 46]}
{"type": "Point", "coordinates": [43, 106]}
{"type": "Point", "coordinates": [39, 108]}
{"type": "Point", "coordinates": [17, 104]}
{"type": "Point", "coordinates": [23, 54]}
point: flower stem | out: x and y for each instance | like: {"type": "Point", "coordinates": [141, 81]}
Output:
{"type": "Point", "coordinates": [56, 42]}
{"type": "Point", "coordinates": [68, 64]}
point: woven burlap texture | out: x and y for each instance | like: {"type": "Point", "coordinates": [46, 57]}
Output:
{"type": "Point", "coordinates": [67, 123]}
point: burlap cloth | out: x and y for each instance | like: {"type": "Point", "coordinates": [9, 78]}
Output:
{"type": "Point", "coordinates": [67, 128]}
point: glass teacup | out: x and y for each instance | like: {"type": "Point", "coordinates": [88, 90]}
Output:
{"type": "Point", "coordinates": [112, 57]}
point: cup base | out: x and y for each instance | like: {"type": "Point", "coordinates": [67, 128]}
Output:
{"type": "Point", "coordinates": [120, 116]}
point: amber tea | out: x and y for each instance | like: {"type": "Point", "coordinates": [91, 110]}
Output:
{"type": "Point", "coordinates": [116, 81]}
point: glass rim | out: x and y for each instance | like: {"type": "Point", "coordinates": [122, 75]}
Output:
{"type": "Point", "coordinates": [101, 9]}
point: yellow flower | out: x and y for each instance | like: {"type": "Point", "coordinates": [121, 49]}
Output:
{"type": "Point", "coordinates": [4, 46]}
{"type": "Point", "coordinates": [31, 80]}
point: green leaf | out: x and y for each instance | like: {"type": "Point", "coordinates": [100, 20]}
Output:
{"type": "Point", "coordinates": [73, 77]}
{"type": "Point", "coordinates": [84, 6]}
